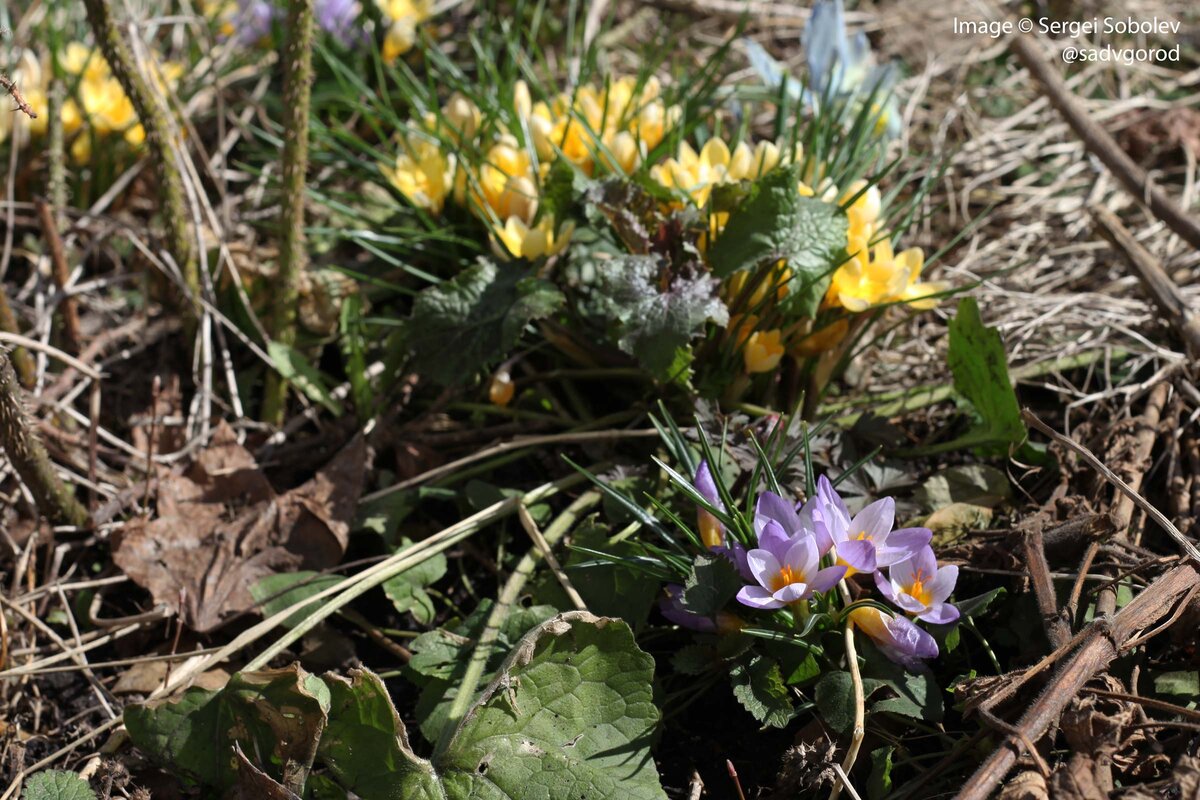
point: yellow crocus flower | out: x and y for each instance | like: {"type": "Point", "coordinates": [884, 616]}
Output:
{"type": "Point", "coordinates": [763, 351]}
{"type": "Point", "coordinates": [422, 173]}
{"type": "Point", "coordinates": [404, 16]}
{"type": "Point", "coordinates": [519, 240]}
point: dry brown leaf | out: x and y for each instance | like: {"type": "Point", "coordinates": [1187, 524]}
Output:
{"type": "Point", "coordinates": [221, 527]}
{"type": "Point", "coordinates": [1027, 785]}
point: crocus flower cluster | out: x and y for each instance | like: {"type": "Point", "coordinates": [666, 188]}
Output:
{"type": "Point", "coordinates": [874, 275]}
{"type": "Point", "coordinates": [596, 129]}
{"type": "Point", "coordinates": [805, 549]}
{"type": "Point", "coordinates": [99, 108]}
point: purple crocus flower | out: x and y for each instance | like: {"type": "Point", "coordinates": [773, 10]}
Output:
{"type": "Point", "coordinates": [671, 608]}
{"type": "Point", "coordinates": [866, 542]}
{"type": "Point", "coordinates": [339, 19]}
{"type": "Point", "coordinates": [920, 587]}
{"type": "Point", "coordinates": [786, 569]}
{"type": "Point", "coordinates": [253, 21]}
{"type": "Point", "coordinates": [895, 636]}
{"type": "Point", "coordinates": [712, 532]}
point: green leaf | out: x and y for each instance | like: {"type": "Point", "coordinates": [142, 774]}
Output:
{"type": "Point", "coordinates": [570, 715]}
{"type": "Point", "coordinates": [57, 784]}
{"type": "Point", "coordinates": [973, 606]}
{"type": "Point", "coordinates": [775, 222]}
{"type": "Point", "coordinates": [760, 688]}
{"type": "Point", "coordinates": [470, 321]}
{"type": "Point", "coordinates": [441, 658]}
{"type": "Point", "coordinates": [276, 592]}
{"type": "Point", "coordinates": [976, 357]}
{"type": "Point", "coordinates": [656, 321]}
{"type": "Point", "coordinates": [1185, 683]}
{"type": "Point", "coordinates": [712, 583]}
{"type": "Point", "coordinates": [694, 659]}
{"type": "Point", "coordinates": [406, 589]}
{"type": "Point", "coordinates": [879, 784]}
{"type": "Point", "coordinates": [194, 735]}
{"type": "Point", "coordinates": [295, 369]}
{"type": "Point", "coordinates": [915, 695]}
{"type": "Point", "coordinates": [834, 696]}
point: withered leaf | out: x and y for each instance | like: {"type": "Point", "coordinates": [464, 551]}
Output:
{"type": "Point", "coordinates": [220, 527]}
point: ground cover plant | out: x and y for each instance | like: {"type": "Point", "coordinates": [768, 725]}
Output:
{"type": "Point", "coordinates": [597, 400]}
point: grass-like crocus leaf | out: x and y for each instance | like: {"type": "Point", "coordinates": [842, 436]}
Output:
{"type": "Point", "coordinates": [775, 222]}
{"type": "Point", "coordinates": [469, 322]}
{"type": "Point", "coordinates": [570, 714]}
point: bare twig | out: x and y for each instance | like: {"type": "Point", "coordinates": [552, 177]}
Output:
{"type": "Point", "coordinates": [62, 275]}
{"type": "Point", "coordinates": [1100, 644]}
{"type": "Point", "coordinates": [1099, 142]}
{"type": "Point", "coordinates": [10, 86]}
{"type": "Point", "coordinates": [1154, 278]}
{"type": "Point", "coordinates": [1184, 543]}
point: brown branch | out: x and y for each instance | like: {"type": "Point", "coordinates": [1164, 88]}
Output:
{"type": "Point", "coordinates": [1058, 627]}
{"type": "Point", "coordinates": [62, 274]}
{"type": "Point", "coordinates": [1097, 140]}
{"type": "Point", "coordinates": [1130, 495]}
{"type": "Point", "coordinates": [1101, 644]}
{"type": "Point", "coordinates": [28, 456]}
{"type": "Point", "coordinates": [10, 86]}
{"type": "Point", "coordinates": [1154, 278]}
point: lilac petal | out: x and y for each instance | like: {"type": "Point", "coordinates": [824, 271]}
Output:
{"type": "Point", "coordinates": [774, 538]}
{"type": "Point", "coordinates": [940, 614]}
{"type": "Point", "coordinates": [793, 592]}
{"type": "Point", "coordinates": [875, 520]}
{"type": "Point", "coordinates": [903, 573]}
{"type": "Point", "coordinates": [902, 545]}
{"type": "Point", "coordinates": [763, 564]}
{"type": "Point", "coordinates": [942, 585]}
{"type": "Point", "coordinates": [858, 553]}
{"type": "Point", "coordinates": [811, 519]}
{"type": "Point", "coordinates": [706, 486]}
{"type": "Point", "coordinates": [673, 611]}
{"type": "Point", "coordinates": [802, 557]}
{"type": "Point", "coordinates": [757, 597]}
{"type": "Point", "coordinates": [826, 579]}
{"type": "Point", "coordinates": [924, 562]}
{"type": "Point", "coordinates": [835, 507]}
{"type": "Point", "coordinates": [909, 604]}
{"type": "Point", "coordinates": [771, 506]}
{"type": "Point", "coordinates": [912, 639]}
{"type": "Point", "coordinates": [885, 587]}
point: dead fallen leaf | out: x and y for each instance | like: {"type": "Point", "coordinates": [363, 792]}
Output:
{"type": "Point", "coordinates": [1027, 785]}
{"type": "Point", "coordinates": [220, 527]}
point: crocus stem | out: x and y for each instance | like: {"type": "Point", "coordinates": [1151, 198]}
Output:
{"type": "Point", "coordinates": [297, 90]}
{"type": "Point", "coordinates": [859, 730]}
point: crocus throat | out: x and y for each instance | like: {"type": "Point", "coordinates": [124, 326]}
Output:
{"type": "Point", "coordinates": [786, 577]}
{"type": "Point", "coordinates": [917, 590]}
